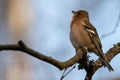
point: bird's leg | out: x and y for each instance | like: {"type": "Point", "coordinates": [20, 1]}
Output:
{"type": "Point", "coordinates": [85, 63]}
{"type": "Point", "coordinates": [85, 59]}
{"type": "Point", "coordinates": [85, 50]}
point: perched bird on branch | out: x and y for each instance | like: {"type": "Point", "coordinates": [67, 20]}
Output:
{"type": "Point", "coordinates": [84, 35]}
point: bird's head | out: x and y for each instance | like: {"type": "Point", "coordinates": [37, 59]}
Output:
{"type": "Point", "coordinates": [80, 14]}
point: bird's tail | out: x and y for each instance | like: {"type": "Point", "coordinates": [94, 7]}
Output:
{"type": "Point", "coordinates": [104, 59]}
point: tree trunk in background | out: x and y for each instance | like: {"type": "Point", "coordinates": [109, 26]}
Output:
{"type": "Point", "coordinates": [19, 18]}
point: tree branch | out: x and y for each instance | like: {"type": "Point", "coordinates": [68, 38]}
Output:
{"type": "Point", "coordinates": [21, 46]}
{"type": "Point", "coordinates": [110, 54]}
{"type": "Point", "coordinates": [90, 66]}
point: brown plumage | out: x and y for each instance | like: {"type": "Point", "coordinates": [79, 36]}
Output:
{"type": "Point", "coordinates": [83, 34]}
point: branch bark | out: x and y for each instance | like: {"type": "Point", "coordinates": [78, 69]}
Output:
{"type": "Point", "coordinates": [90, 66]}
{"type": "Point", "coordinates": [21, 46]}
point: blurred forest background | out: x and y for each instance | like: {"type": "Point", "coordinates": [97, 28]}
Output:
{"type": "Point", "coordinates": [44, 25]}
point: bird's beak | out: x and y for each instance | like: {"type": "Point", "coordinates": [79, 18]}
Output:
{"type": "Point", "coordinates": [73, 12]}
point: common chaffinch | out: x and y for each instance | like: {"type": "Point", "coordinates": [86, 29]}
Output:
{"type": "Point", "coordinates": [84, 35]}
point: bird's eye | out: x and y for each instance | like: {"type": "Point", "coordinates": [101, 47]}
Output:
{"type": "Point", "coordinates": [79, 13]}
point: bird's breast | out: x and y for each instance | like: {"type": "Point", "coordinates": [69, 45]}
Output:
{"type": "Point", "coordinates": [79, 36]}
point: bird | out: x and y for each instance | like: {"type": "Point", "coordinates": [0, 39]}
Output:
{"type": "Point", "coordinates": [84, 35]}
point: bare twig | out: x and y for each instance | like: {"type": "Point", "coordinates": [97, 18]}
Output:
{"type": "Point", "coordinates": [64, 75]}
{"type": "Point", "coordinates": [114, 30]}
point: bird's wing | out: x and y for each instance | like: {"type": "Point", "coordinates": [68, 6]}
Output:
{"type": "Point", "coordinates": [97, 43]}
{"type": "Point", "coordinates": [93, 34]}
